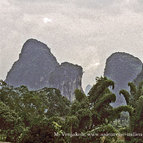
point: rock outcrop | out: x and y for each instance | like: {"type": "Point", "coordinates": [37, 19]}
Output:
{"type": "Point", "coordinates": [87, 89]}
{"type": "Point", "coordinates": [139, 78]}
{"type": "Point", "coordinates": [67, 78]}
{"type": "Point", "coordinates": [122, 68]}
{"type": "Point", "coordinates": [37, 68]}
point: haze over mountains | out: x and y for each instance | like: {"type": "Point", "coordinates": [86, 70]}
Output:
{"type": "Point", "coordinates": [37, 67]}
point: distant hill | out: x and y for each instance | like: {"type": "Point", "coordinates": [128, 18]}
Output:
{"type": "Point", "coordinates": [122, 68]}
{"type": "Point", "coordinates": [37, 67]}
{"type": "Point", "coordinates": [87, 89]}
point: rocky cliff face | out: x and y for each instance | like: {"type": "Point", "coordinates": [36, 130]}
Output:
{"type": "Point", "coordinates": [37, 68]}
{"type": "Point", "coordinates": [139, 78]}
{"type": "Point", "coordinates": [122, 68]}
{"type": "Point", "coordinates": [69, 76]}
{"type": "Point", "coordinates": [87, 89]}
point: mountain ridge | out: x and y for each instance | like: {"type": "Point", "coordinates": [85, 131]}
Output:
{"type": "Point", "coordinates": [35, 66]}
{"type": "Point", "coordinates": [122, 68]}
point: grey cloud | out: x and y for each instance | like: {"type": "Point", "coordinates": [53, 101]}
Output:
{"type": "Point", "coordinates": [137, 6]}
{"type": "Point", "coordinates": [92, 29]}
{"type": "Point", "coordinates": [94, 3]}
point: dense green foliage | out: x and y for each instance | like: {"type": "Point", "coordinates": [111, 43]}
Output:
{"type": "Point", "coordinates": [21, 110]}
{"type": "Point", "coordinates": [134, 99]}
{"type": "Point", "coordinates": [45, 116]}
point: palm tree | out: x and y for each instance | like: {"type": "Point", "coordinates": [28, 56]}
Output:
{"type": "Point", "coordinates": [100, 98]}
{"type": "Point", "coordinates": [134, 98]}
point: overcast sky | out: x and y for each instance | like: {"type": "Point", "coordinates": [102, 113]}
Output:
{"type": "Point", "coordinates": [83, 32]}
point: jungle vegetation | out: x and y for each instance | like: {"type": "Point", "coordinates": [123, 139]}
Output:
{"type": "Point", "coordinates": [45, 116]}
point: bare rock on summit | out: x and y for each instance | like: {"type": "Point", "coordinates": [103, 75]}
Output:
{"type": "Point", "coordinates": [33, 67]}
{"type": "Point", "coordinates": [69, 76]}
{"type": "Point", "coordinates": [122, 68]}
{"type": "Point", "coordinates": [37, 67]}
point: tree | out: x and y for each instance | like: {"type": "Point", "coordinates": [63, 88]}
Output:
{"type": "Point", "coordinates": [103, 113]}
{"type": "Point", "coordinates": [31, 108]}
{"type": "Point", "coordinates": [10, 123]}
{"type": "Point", "coordinates": [45, 132]}
{"type": "Point", "coordinates": [81, 109]}
{"type": "Point", "coordinates": [94, 112]}
{"type": "Point", "coordinates": [134, 98]}
{"type": "Point", "coordinates": [43, 113]}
